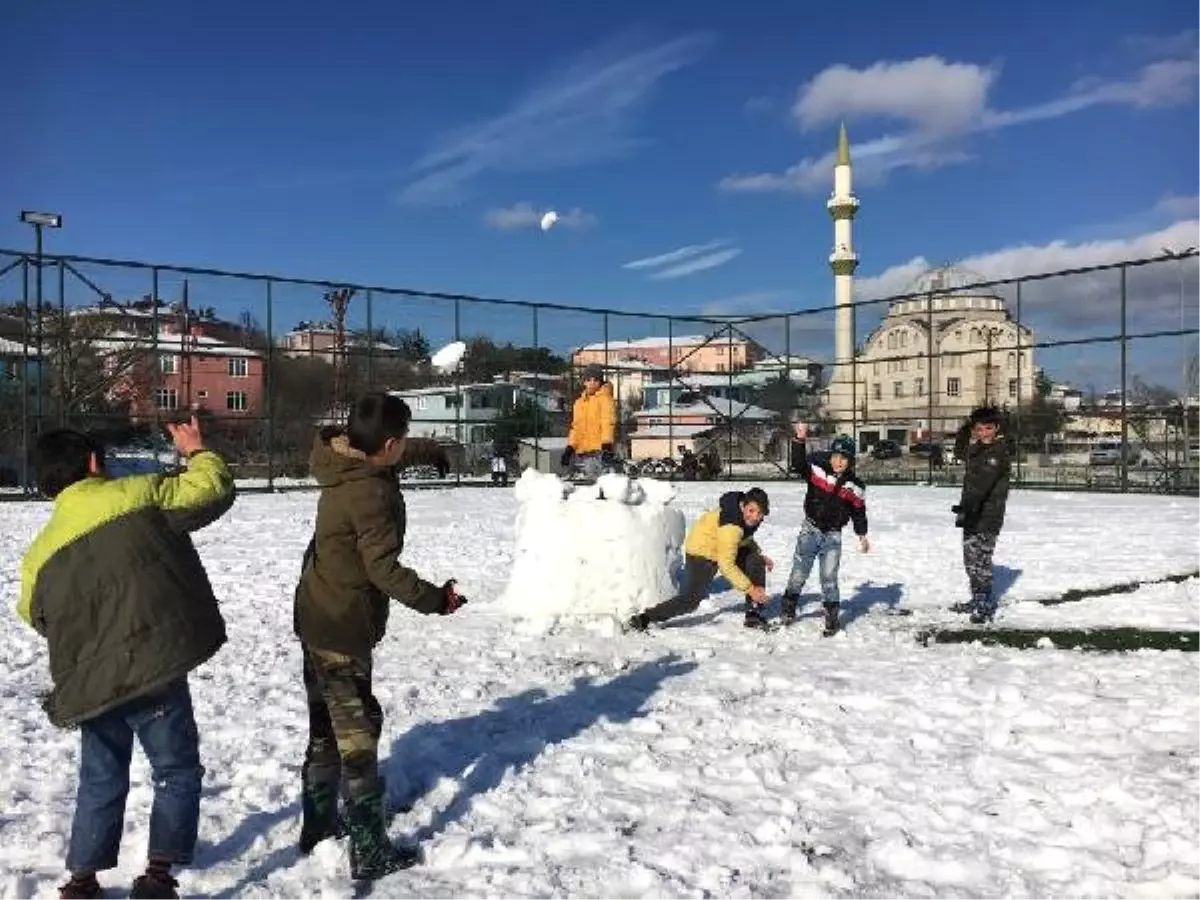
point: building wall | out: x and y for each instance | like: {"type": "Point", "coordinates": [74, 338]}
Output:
{"type": "Point", "coordinates": [201, 381]}
{"type": "Point", "coordinates": [718, 356]}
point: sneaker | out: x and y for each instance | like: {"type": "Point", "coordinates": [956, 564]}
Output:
{"type": "Point", "coordinates": [787, 614]}
{"type": "Point", "coordinates": [80, 887]}
{"type": "Point", "coordinates": [832, 625]}
{"type": "Point", "coordinates": [982, 616]}
{"type": "Point", "coordinates": [154, 886]}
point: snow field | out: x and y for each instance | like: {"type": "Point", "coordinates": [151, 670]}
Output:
{"type": "Point", "coordinates": [700, 757]}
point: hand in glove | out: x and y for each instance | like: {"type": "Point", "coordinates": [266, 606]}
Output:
{"type": "Point", "coordinates": [454, 599]}
{"type": "Point", "coordinates": [568, 455]}
{"type": "Point", "coordinates": [960, 516]}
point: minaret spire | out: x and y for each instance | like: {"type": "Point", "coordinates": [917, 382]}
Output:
{"type": "Point", "coordinates": [842, 206]}
{"type": "Point", "coordinates": [843, 147]}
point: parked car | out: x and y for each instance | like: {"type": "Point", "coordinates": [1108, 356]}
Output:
{"type": "Point", "coordinates": [1111, 451]}
{"type": "Point", "coordinates": [886, 449]}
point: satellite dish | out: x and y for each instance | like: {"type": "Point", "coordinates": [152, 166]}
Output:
{"type": "Point", "coordinates": [448, 358]}
{"type": "Point", "coordinates": [548, 220]}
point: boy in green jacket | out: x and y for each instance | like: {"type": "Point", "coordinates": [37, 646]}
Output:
{"type": "Point", "coordinates": [115, 586]}
{"type": "Point", "coordinates": [350, 570]}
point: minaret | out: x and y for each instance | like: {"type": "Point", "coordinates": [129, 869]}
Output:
{"type": "Point", "coordinates": [843, 261]}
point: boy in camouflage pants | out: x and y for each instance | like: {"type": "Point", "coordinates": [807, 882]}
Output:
{"type": "Point", "coordinates": [980, 512]}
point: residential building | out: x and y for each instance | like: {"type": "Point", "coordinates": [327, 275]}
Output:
{"type": "Point", "coordinates": [1067, 396]}
{"type": "Point", "coordinates": [316, 341]}
{"type": "Point", "coordinates": [662, 430]}
{"type": "Point", "coordinates": [688, 353]}
{"type": "Point", "coordinates": [18, 362]}
{"type": "Point", "coordinates": [466, 413]}
{"type": "Point", "coordinates": [182, 372]}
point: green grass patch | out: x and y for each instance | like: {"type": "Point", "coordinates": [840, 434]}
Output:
{"type": "Point", "coordinates": [1101, 640]}
{"type": "Point", "coordinates": [1127, 587]}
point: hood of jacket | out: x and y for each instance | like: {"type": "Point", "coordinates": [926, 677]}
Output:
{"type": "Point", "coordinates": [333, 461]}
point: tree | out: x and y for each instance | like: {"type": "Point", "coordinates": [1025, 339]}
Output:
{"type": "Point", "coordinates": [1142, 393]}
{"type": "Point", "coordinates": [522, 419]}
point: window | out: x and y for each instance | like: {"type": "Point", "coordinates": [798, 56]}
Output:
{"type": "Point", "coordinates": [166, 364]}
{"type": "Point", "coordinates": [904, 339]}
{"type": "Point", "coordinates": [422, 403]}
{"type": "Point", "coordinates": [235, 401]}
{"type": "Point", "coordinates": [952, 387]}
{"type": "Point", "coordinates": [202, 395]}
{"type": "Point", "coordinates": [876, 369]}
{"type": "Point", "coordinates": [920, 363]}
{"type": "Point", "coordinates": [891, 342]}
{"type": "Point", "coordinates": [919, 387]}
{"type": "Point", "coordinates": [1012, 360]}
{"type": "Point", "coordinates": [237, 367]}
{"type": "Point", "coordinates": [876, 391]}
{"type": "Point", "coordinates": [166, 398]}
{"type": "Point", "coordinates": [897, 389]}
{"type": "Point", "coordinates": [1012, 387]}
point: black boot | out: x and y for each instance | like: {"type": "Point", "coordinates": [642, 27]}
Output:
{"type": "Point", "coordinates": [787, 613]}
{"type": "Point", "coordinates": [638, 623]}
{"type": "Point", "coordinates": [319, 809]}
{"type": "Point", "coordinates": [754, 617]}
{"type": "Point", "coordinates": [372, 854]}
{"type": "Point", "coordinates": [832, 625]}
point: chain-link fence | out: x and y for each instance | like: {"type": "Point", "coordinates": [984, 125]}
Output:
{"type": "Point", "coordinates": [1095, 368]}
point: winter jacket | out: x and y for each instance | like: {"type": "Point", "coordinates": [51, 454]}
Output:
{"type": "Point", "coordinates": [985, 482]}
{"type": "Point", "coordinates": [719, 534]}
{"type": "Point", "coordinates": [117, 589]}
{"type": "Point", "coordinates": [832, 500]}
{"type": "Point", "coordinates": [593, 420]}
{"type": "Point", "coordinates": [350, 568]}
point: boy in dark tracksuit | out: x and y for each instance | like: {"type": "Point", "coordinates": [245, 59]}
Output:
{"type": "Point", "coordinates": [350, 570]}
{"type": "Point", "coordinates": [117, 589]}
{"type": "Point", "coordinates": [835, 496]}
{"type": "Point", "coordinates": [722, 540]}
{"type": "Point", "coordinates": [980, 511]}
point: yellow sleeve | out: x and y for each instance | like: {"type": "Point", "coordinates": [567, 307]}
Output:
{"type": "Point", "coordinates": [29, 569]}
{"type": "Point", "coordinates": [608, 419]}
{"type": "Point", "coordinates": [206, 480]}
{"type": "Point", "coordinates": [728, 538]}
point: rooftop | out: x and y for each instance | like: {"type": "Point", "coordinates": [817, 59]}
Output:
{"type": "Point", "coordinates": [646, 343]}
{"type": "Point", "coordinates": [172, 342]}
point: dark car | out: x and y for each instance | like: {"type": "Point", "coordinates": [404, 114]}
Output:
{"type": "Point", "coordinates": [886, 450]}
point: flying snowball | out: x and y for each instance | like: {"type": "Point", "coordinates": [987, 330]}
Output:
{"type": "Point", "coordinates": [548, 220]}
{"type": "Point", "coordinates": [448, 358]}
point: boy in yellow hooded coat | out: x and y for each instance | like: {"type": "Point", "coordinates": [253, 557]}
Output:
{"type": "Point", "coordinates": [593, 425]}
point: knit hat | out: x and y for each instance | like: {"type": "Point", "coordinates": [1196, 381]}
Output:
{"type": "Point", "coordinates": [843, 444]}
{"type": "Point", "coordinates": [593, 371]}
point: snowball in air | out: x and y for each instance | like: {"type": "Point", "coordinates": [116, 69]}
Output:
{"type": "Point", "coordinates": [548, 220]}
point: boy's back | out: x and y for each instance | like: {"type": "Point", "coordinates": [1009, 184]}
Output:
{"type": "Point", "coordinates": [115, 585]}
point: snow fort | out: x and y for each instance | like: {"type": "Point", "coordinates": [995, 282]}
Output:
{"type": "Point", "coordinates": [603, 550]}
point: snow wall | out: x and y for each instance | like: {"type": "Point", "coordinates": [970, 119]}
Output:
{"type": "Point", "coordinates": [592, 551]}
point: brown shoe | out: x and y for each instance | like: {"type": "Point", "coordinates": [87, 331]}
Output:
{"type": "Point", "coordinates": [80, 887]}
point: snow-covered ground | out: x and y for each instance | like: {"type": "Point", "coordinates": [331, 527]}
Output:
{"type": "Point", "coordinates": [701, 758]}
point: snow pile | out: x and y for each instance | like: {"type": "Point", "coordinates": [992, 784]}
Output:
{"type": "Point", "coordinates": [602, 550]}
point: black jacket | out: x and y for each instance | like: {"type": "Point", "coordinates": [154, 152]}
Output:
{"type": "Point", "coordinates": [832, 500]}
{"type": "Point", "coordinates": [985, 482]}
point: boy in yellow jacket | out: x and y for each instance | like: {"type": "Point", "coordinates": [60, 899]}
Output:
{"type": "Point", "coordinates": [722, 540]}
{"type": "Point", "coordinates": [593, 425]}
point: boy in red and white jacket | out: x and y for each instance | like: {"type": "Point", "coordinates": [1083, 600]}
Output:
{"type": "Point", "coordinates": [835, 496]}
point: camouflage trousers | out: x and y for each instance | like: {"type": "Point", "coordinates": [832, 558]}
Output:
{"type": "Point", "coordinates": [344, 722]}
{"type": "Point", "coordinates": [978, 547]}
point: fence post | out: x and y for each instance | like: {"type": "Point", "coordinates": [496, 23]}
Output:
{"type": "Point", "coordinates": [1124, 362]}
{"type": "Point", "coordinates": [25, 374]}
{"type": "Point", "coordinates": [155, 367]}
{"type": "Point", "coordinates": [929, 382]}
{"type": "Point", "coordinates": [671, 386]}
{"type": "Point", "coordinates": [1020, 353]}
{"type": "Point", "coordinates": [729, 393]}
{"type": "Point", "coordinates": [853, 373]}
{"type": "Point", "coordinates": [458, 397]}
{"type": "Point", "coordinates": [62, 344]}
{"type": "Point", "coordinates": [537, 418]}
{"type": "Point", "coordinates": [269, 405]}
{"type": "Point", "coordinates": [787, 374]}
{"type": "Point", "coordinates": [370, 341]}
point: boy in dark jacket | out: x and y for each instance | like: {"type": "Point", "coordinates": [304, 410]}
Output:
{"type": "Point", "coordinates": [835, 496]}
{"type": "Point", "coordinates": [980, 511]}
{"type": "Point", "coordinates": [722, 540]}
{"type": "Point", "coordinates": [350, 570]}
{"type": "Point", "coordinates": [115, 586]}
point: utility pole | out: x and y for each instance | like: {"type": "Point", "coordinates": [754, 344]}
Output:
{"type": "Point", "coordinates": [339, 303]}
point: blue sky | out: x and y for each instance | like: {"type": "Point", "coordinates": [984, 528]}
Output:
{"type": "Point", "coordinates": [397, 143]}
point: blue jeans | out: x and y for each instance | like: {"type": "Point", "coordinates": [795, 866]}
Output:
{"type": "Point", "coordinates": [166, 728]}
{"type": "Point", "coordinates": [812, 545]}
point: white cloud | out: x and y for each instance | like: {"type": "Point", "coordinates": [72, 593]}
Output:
{"type": "Point", "coordinates": [686, 260]}
{"type": "Point", "coordinates": [580, 115]}
{"type": "Point", "coordinates": [1178, 207]}
{"type": "Point", "coordinates": [940, 105]}
{"type": "Point", "coordinates": [526, 215]}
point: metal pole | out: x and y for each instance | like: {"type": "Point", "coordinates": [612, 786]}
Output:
{"type": "Point", "coordinates": [1124, 362]}
{"type": "Point", "coordinates": [729, 394]}
{"type": "Point", "coordinates": [370, 341]}
{"type": "Point", "coordinates": [40, 390]}
{"type": "Point", "coordinates": [157, 382]}
{"type": "Point", "coordinates": [929, 380]}
{"type": "Point", "coordinates": [269, 405]}
{"type": "Point", "coordinates": [25, 376]}
{"type": "Point", "coordinates": [1186, 450]}
{"type": "Point", "coordinates": [1019, 370]}
{"type": "Point", "coordinates": [853, 374]}
{"type": "Point", "coordinates": [617, 398]}
{"type": "Point", "coordinates": [791, 394]}
{"type": "Point", "coordinates": [62, 344]}
{"type": "Point", "coordinates": [537, 419]}
{"type": "Point", "coordinates": [458, 397]}
{"type": "Point", "coordinates": [671, 387]}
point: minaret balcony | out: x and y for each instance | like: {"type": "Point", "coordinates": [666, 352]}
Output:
{"type": "Point", "coordinates": [842, 206]}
